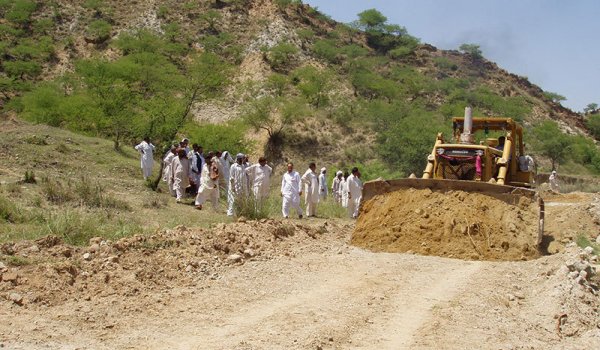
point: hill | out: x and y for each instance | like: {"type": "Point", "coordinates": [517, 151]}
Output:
{"type": "Point", "coordinates": [297, 84]}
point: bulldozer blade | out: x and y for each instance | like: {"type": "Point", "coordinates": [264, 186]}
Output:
{"type": "Point", "coordinates": [508, 194]}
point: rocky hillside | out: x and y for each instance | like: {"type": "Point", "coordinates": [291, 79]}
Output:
{"type": "Point", "coordinates": [308, 84]}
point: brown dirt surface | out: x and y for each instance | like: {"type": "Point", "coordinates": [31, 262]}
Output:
{"type": "Point", "coordinates": [53, 273]}
{"type": "Point", "coordinates": [305, 287]}
{"type": "Point", "coordinates": [456, 224]}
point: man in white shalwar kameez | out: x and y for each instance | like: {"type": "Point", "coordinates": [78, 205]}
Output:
{"type": "Point", "coordinates": [310, 180]}
{"type": "Point", "coordinates": [167, 174]}
{"type": "Point", "coordinates": [237, 184]}
{"type": "Point", "coordinates": [291, 190]}
{"type": "Point", "coordinates": [209, 185]}
{"type": "Point", "coordinates": [323, 184]}
{"type": "Point", "coordinates": [355, 187]}
{"type": "Point", "coordinates": [180, 169]}
{"type": "Point", "coordinates": [335, 187]}
{"type": "Point", "coordinates": [259, 178]}
{"type": "Point", "coordinates": [146, 150]}
{"type": "Point", "coordinates": [344, 190]}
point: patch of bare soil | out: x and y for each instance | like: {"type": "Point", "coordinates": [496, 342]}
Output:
{"type": "Point", "coordinates": [455, 224]}
{"type": "Point", "coordinates": [53, 273]}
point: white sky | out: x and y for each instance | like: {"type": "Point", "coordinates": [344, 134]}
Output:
{"type": "Point", "coordinates": [552, 42]}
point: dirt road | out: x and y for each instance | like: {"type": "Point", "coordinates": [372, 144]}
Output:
{"type": "Point", "coordinates": [306, 290]}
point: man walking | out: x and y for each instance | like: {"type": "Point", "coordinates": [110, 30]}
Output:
{"type": "Point", "coordinates": [146, 150]}
{"type": "Point", "coordinates": [310, 180]}
{"type": "Point", "coordinates": [336, 186]}
{"type": "Point", "coordinates": [323, 184]}
{"type": "Point", "coordinates": [237, 184]}
{"type": "Point", "coordinates": [180, 169]}
{"type": "Point", "coordinates": [259, 177]}
{"type": "Point", "coordinates": [291, 191]}
{"type": "Point", "coordinates": [354, 186]}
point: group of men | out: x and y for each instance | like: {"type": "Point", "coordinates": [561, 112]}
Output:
{"type": "Point", "coordinates": [191, 171]}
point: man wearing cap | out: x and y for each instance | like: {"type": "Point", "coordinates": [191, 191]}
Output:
{"type": "Point", "coordinates": [291, 191]}
{"type": "Point", "coordinates": [226, 161]}
{"type": "Point", "coordinates": [336, 186]}
{"type": "Point", "coordinates": [310, 180]}
{"type": "Point", "coordinates": [238, 183]}
{"type": "Point", "coordinates": [323, 183]}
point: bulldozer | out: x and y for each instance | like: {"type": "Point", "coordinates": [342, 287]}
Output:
{"type": "Point", "coordinates": [473, 162]}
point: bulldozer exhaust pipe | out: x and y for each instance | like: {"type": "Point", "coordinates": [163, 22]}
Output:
{"type": "Point", "coordinates": [466, 137]}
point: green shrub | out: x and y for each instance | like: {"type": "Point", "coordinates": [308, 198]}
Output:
{"type": "Point", "coordinates": [445, 63]}
{"type": "Point", "coordinates": [280, 56]}
{"type": "Point", "coordinates": [55, 192]}
{"type": "Point", "coordinates": [10, 212]}
{"type": "Point", "coordinates": [29, 177]}
{"type": "Point", "coordinates": [99, 31]}
{"type": "Point", "coordinates": [226, 137]}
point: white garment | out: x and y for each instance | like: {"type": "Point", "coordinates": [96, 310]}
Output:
{"type": "Point", "coordinates": [180, 169]}
{"type": "Point", "coordinates": [310, 181]}
{"type": "Point", "coordinates": [323, 191]}
{"type": "Point", "coordinates": [167, 167]}
{"type": "Point", "coordinates": [354, 195]}
{"type": "Point", "coordinates": [335, 189]}
{"type": "Point", "coordinates": [344, 192]}
{"type": "Point", "coordinates": [290, 191]}
{"type": "Point", "coordinates": [238, 186]}
{"type": "Point", "coordinates": [209, 189]}
{"type": "Point", "coordinates": [526, 163]}
{"type": "Point", "coordinates": [259, 178]}
{"type": "Point", "coordinates": [553, 179]}
{"type": "Point", "coordinates": [147, 158]}
{"type": "Point", "coordinates": [226, 161]}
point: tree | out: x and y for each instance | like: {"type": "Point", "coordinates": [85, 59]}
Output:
{"type": "Point", "coordinates": [471, 49]}
{"type": "Point", "coordinates": [593, 124]}
{"type": "Point", "coordinates": [550, 142]}
{"type": "Point", "coordinates": [371, 19]}
{"type": "Point", "coordinates": [591, 108]}
{"type": "Point", "coordinates": [313, 84]}
{"type": "Point", "coordinates": [554, 97]}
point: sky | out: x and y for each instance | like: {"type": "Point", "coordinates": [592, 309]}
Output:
{"type": "Point", "coordinates": [554, 43]}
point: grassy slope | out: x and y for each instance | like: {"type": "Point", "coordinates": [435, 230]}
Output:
{"type": "Point", "coordinates": [65, 156]}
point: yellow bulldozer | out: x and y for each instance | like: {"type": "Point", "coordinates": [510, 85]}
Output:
{"type": "Point", "coordinates": [470, 162]}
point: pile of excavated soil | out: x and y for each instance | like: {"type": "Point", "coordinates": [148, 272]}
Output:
{"type": "Point", "coordinates": [454, 224]}
{"type": "Point", "coordinates": [49, 272]}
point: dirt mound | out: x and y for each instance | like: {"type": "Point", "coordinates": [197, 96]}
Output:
{"type": "Point", "coordinates": [49, 272]}
{"type": "Point", "coordinates": [455, 224]}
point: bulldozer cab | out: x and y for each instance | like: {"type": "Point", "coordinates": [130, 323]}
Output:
{"type": "Point", "coordinates": [473, 155]}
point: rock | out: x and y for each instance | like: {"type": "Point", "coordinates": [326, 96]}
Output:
{"type": "Point", "coordinates": [419, 211]}
{"type": "Point", "coordinates": [94, 248]}
{"type": "Point", "coordinates": [249, 253]}
{"type": "Point", "coordinates": [10, 277]}
{"type": "Point", "coordinates": [34, 249]}
{"type": "Point", "coordinates": [66, 252]}
{"type": "Point", "coordinates": [510, 297]}
{"type": "Point", "coordinates": [113, 259]}
{"type": "Point", "coordinates": [234, 258]}
{"type": "Point", "coordinates": [598, 239]}
{"type": "Point", "coordinates": [555, 247]}
{"type": "Point", "coordinates": [95, 240]}
{"type": "Point", "coordinates": [588, 250]}
{"type": "Point", "coordinates": [16, 298]}
{"type": "Point", "coordinates": [242, 219]}
{"type": "Point", "coordinates": [189, 268]}
{"type": "Point", "coordinates": [87, 256]}
{"type": "Point", "coordinates": [3, 267]}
